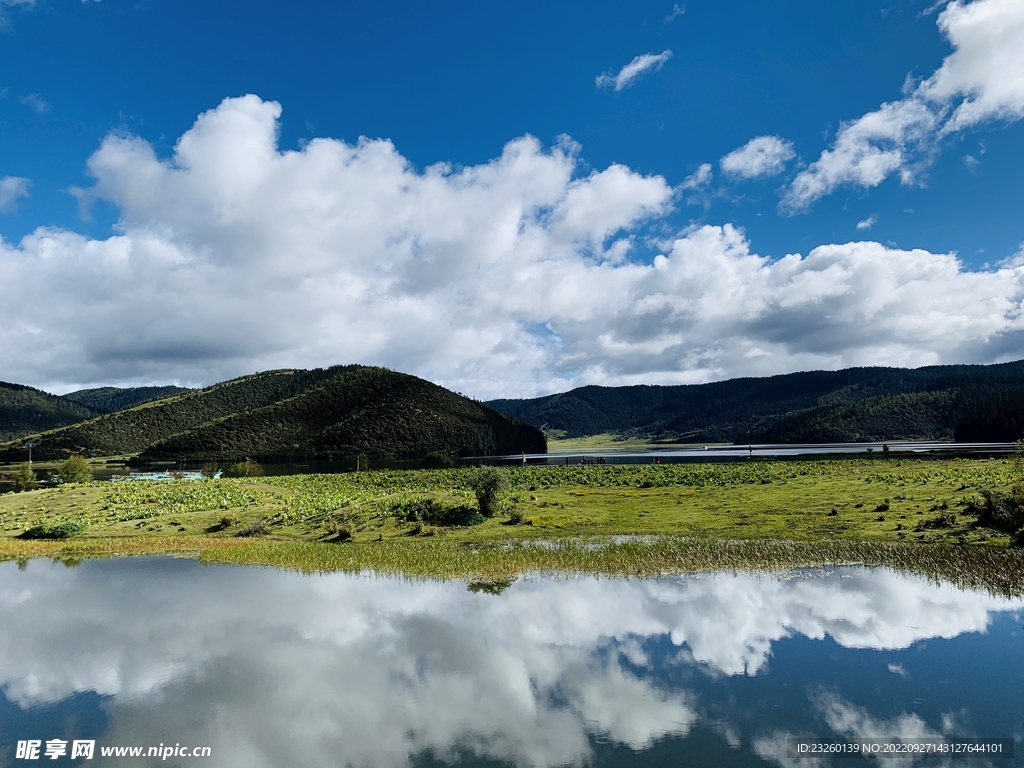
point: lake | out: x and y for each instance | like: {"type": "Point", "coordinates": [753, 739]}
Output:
{"type": "Point", "coordinates": [273, 668]}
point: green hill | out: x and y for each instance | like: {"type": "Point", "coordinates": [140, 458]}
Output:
{"type": "Point", "coordinates": [110, 399]}
{"type": "Point", "coordinates": [856, 404]}
{"type": "Point", "coordinates": [24, 410]}
{"type": "Point", "coordinates": [289, 414]}
{"type": "Point", "coordinates": [371, 410]}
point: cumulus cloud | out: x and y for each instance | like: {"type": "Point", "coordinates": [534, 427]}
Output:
{"type": "Point", "coordinates": [867, 223]}
{"type": "Point", "coordinates": [514, 277]}
{"type": "Point", "coordinates": [641, 65]}
{"type": "Point", "coordinates": [982, 80]}
{"type": "Point", "coordinates": [986, 68]}
{"type": "Point", "coordinates": [866, 152]}
{"type": "Point", "coordinates": [12, 188]}
{"type": "Point", "coordinates": [761, 156]}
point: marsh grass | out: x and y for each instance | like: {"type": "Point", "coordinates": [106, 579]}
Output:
{"type": "Point", "coordinates": [751, 515]}
{"type": "Point", "coordinates": [997, 571]}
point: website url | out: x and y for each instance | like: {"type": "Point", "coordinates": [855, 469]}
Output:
{"type": "Point", "coordinates": [161, 751]}
{"type": "Point", "coordinates": [52, 749]}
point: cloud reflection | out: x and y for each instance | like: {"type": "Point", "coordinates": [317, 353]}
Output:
{"type": "Point", "coordinates": [272, 668]}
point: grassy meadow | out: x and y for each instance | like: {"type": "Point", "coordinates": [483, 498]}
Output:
{"type": "Point", "coordinates": [610, 519]}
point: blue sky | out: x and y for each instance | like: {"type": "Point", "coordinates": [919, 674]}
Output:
{"type": "Point", "coordinates": [454, 83]}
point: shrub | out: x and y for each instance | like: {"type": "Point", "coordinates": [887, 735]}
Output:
{"type": "Point", "coordinates": [945, 520]}
{"type": "Point", "coordinates": [437, 460]}
{"type": "Point", "coordinates": [998, 510]}
{"type": "Point", "coordinates": [259, 528]}
{"type": "Point", "coordinates": [209, 470]}
{"type": "Point", "coordinates": [433, 511]}
{"type": "Point", "coordinates": [486, 483]}
{"type": "Point", "coordinates": [343, 533]}
{"type": "Point", "coordinates": [75, 469]}
{"type": "Point", "coordinates": [247, 468]}
{"type": "Point", "coordinates": [516, 516]}
{"type": "Point", "coordinates": [62, 530]}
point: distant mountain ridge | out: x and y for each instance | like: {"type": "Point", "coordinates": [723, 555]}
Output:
{"type": "Point", "coordinates": [110, 399]}
{"type": "Point", "coordinates": [851, 405]}
{"type": "Point", "coordinates": [285, 415]}
{"type": "Point", "coordinates": [24, 410]}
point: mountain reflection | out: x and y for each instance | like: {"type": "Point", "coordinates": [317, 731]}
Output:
{"type": "Point", "coordinates": [271, 668]}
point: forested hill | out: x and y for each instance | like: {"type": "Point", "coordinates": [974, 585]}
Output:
{"type": "Point", "coordinates": [337, 412]}
{"type": "Point", "coordinates": [856, 404]}
{"type": "Point", "coordinates": [362, 410]}
{"type": "Point", "coordinates": [24, 410]}
{"type": "Point", "coordinates": [110, 399]}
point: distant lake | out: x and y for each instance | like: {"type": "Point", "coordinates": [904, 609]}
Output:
{"type": "Point", "coordinates": [669, 454]}
{"type": "Point", "coordinates": [275, 669]}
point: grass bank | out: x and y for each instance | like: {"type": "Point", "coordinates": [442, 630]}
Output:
{"type": "Point", "coordinates": [605, 442]}
{"type": "Point", "coordinates": [910, 514]}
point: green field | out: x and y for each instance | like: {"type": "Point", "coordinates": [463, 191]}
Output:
{"type": "Point", "coordinates": [681, 516]}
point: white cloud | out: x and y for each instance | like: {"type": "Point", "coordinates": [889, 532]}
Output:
{"type": "Point", "coordinates": [761, 156]}
{"type": "Point", "coordinates": [677, 11]}
{"type": "Point", "coordinates": [12, 188]}
{"type": "Point", "coordinates": [648, 62]}
{"type": "Point", "coordinates": [513, 277]}
{"type": "Point", "coordinates": [36, 103]}
{"type": "Point", "coordinates": [699, 178]}
{"type": "Point", "coordinates": [867, 223]}
{"type": "Point", "coordinates": [866, 152]}
{"type": "Point", "coordinates": [982, 80]}
{"type": "Point", "coordinates": [897, 669]}
{"type": "Point", "coordinates": [971, 163]}
{"type": "Point", "coordinates": [986, 67]}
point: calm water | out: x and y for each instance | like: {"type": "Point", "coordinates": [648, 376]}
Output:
{"type": "Point", "coordinates": [270, 668]}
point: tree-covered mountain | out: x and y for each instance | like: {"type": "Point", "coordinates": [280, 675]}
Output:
{"type": "Point", "coordinates": [24, 410]}
{"type": "Point", "coordinates": [289, 414]}
{"type": "Point", "coordinates": [998, 419]}
{"type": "Point", "coordinates": [370, 410]}
{"type": "Point", "coordinates": [856, 404]}
{"type": "Point", "coordinates": [110, 399]}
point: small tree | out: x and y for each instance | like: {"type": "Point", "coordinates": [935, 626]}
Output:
{"type": "Point", "coordinates": [24, 479]}
{"type": "Point", "coordinates": [486, 483]}
{"type": "Point", "coordinates": [437, 460]}
{"type": "Point", "coordinates": [75, 469]}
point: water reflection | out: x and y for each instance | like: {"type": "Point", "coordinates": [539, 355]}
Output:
{"type": "Point", "coordinates": [277, 669]}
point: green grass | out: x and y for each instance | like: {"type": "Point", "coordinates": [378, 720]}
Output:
{"type": "Point", "coordinates": [678, 517]}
